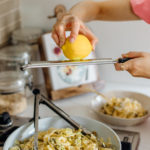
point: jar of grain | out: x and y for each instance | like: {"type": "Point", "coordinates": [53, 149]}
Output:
{"type": "Point", "coordinates": [12, 92]}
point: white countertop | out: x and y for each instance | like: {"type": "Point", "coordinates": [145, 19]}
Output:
{"type": "Point", "coordinates": [80, 106]}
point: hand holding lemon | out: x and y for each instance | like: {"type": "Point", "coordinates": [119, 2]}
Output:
{"type": "Point", "coordinates": [78, 49]}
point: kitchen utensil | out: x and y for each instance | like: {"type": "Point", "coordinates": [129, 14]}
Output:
{"type": "Point", "coordinates": [96, 87]}
{"type": "Point", "coordinates": [129, 139]}
{"type": "Point", "coordinates": [98, 93]}
{"type": "Point", "coordinates": [100, 61]}
{"type": "Point", "coordinates": [41, 99]}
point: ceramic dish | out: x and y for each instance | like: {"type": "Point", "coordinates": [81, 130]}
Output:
{"type": "Point", "coordinates": [27, 130]}
{"type": "Point", "coordinates": [98, 102]}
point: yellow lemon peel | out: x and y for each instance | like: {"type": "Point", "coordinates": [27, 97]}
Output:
{"type": "Point", "coordinates": [78, 49]}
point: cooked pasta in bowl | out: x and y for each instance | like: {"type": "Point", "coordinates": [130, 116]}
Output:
{"type": "Point", "coordinates": [63, 137]}
{"type": "Point", "coordinates": [123, 108]}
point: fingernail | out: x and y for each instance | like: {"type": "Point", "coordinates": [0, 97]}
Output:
{"type": "Point", "coordinates": [122, 67]}
{"type": "Point", "coordinates": [72, 40]}
{"type": "Point", "coordinates": [93, 47]}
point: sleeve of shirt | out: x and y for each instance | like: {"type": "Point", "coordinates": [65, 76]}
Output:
{"type": "Point", "coordinates": [142, 9]}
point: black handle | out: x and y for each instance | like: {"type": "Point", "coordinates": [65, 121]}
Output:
{"type": "Point", "coordinates": [126, 146]}
{"type": "Point", "coordinates": [123, 60]}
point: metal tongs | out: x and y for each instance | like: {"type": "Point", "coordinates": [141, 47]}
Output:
{"type": "Point", "coordinates": [100, 61]}
{"type": "Point", "coordinates": [41, 99]}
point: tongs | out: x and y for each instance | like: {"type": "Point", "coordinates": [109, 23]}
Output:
{"type": "Point", "coordinates": [41, 99]}
{"type": "Point", "coordinates": [100, 61]}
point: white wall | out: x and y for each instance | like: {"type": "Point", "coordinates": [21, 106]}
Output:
{"type": "Point", "coordinates": [115, 38]}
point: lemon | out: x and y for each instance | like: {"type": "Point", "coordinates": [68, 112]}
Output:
{"type": "Point", "coordinates": [78, 49]}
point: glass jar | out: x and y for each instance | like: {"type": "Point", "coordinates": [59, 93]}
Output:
{"type": "Point", "coordinates": [12, 57]}
{"type": "Point", "coordinates": [12, 92]}
{"type": "Point", "coordinates": [30, 36]}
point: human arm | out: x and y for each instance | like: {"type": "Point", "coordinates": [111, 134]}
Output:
{"type": "Point", "coordinates": [112, 10]}
{"type": "Point", "coordinates": [108, 10]}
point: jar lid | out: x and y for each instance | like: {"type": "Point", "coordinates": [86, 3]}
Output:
{"type": "Point", "coordinates": [15, 53]}
{"type": "Point", "coordinates": [26, 35]}
{"type": "Point", "coordinates": [11, 82]}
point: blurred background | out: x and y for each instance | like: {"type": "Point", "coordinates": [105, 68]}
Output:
{"type": "Point", "coordinates": [115, 38]}
{"type": "Point", "coordinates": [23, 22]}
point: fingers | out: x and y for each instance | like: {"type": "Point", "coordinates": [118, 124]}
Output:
{"type": "Point", "coordinates": [129, 65]}
{"type": "Point", "coordinates": [92, 38]}
{"type": "Point", "coordinates": [72, 23]}
{"type": "Point", "coordinates": [62, 36]}
{"type": "Point", "coordinates": [60, 30]}
{"type": "Point", "coordinates": [58, 34]}
{"type": "Point", "coordinates": [55, 37]}
{"type": "Point", "coordinates": [133, 54]}
{"type": "Point", "coordinates": [132, 66]}
{"type": "Point", "coordinates": [121, 67]}
{"type": "Point", "coordinates": [75, 27]}
{"type": "Point", "coordinates": [67, 22]}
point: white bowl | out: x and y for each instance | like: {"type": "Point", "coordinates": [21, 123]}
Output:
{"type": "Point", "coordinates": [98, 102]}
{"type": "Point", "coordinates": [27, 130]}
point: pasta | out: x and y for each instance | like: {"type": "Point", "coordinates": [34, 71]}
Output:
{"type": "Point", "coordinates": [123, 108]}
{"type": "Point", "coordinates": [63, 139]}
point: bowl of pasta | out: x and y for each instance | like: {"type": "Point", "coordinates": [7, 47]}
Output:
{"type": "Point", "coordinates": [123, 108]}
{"type": "Point", "coordinates": [56, 134]}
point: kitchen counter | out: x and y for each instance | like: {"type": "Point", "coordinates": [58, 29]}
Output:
{"type": "Point", "coordinates": [80, 106]}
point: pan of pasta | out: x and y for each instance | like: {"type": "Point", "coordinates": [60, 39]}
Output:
{"type": "Point", "coordinates": [56, 134]}
{"type": "Point", "coordinates": [123, 108]}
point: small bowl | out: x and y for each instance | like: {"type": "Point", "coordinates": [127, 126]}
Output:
{"type": "Point", "coordinates": [98, 102]}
